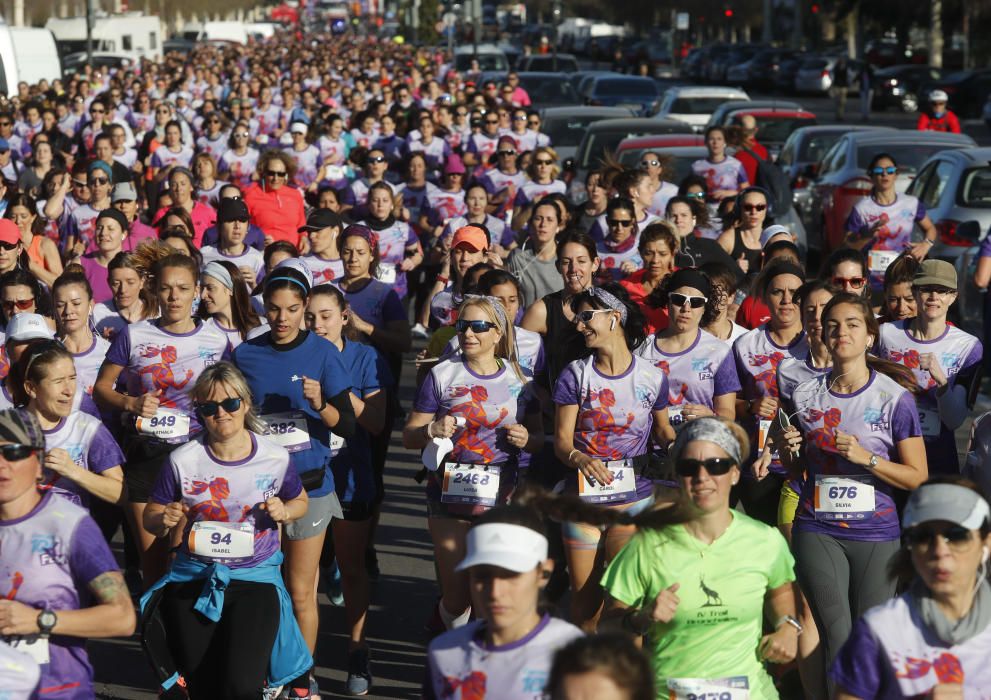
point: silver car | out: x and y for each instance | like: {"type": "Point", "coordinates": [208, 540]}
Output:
{"type": "Point", "coordinates": [815, 74]}
{"type": "Point", "coordinates": [955, 187]}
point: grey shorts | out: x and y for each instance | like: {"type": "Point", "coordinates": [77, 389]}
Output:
{"type": "Point", "coordinates": [317, 519]}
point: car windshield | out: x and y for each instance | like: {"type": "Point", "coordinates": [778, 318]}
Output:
{"type": "Point", "coordinates": [775, 130]}
{"type": "Point", "coordinates": [564, 63]}
{"type": "Point", "coordinates": [975, 188]}
{"type": "Point", "coordinates": [568, 131]}
{"type": "Point", "coordinates": [815, 147]}
{"type": "Point", "coordinates": [544, 89]}
{"type": "Point", "coordinates": [602, 144]}
{"type": "Point", "coordinates": [696, 105]}
{"type": "Point", "coordinates": [486, 61]}
{"type": "Point", "coordinates": [909, 156]}
{"type": "Point", "coordinates": [644, 88]}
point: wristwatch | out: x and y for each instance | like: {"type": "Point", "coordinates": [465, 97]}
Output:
{"type": "Point", "coordinates": [789, 620]}
{"type": "Point", "coordinates": [874, 460]}
{"type": "Point", "coordinates": [47, 619]}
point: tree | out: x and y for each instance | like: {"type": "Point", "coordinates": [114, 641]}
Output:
{"type": "Point", "coordinates": [429, 16]}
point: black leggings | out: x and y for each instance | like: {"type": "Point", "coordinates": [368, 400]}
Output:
{"type": "Point", "coordinates": [760, 498]}
{"type": "Point", "coordinates": [226, 659]}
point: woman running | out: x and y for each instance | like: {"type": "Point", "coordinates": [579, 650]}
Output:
{"type": "Point", "coordinates": [232, 229]}
{"type": "Point", "coordinates": [73, 305]}
{"type": "Point", "coordinates": [619, 255]}
{"type": "Point", "coordinates": [132, 299]}
{"type": "Point", "coordinates": [657, 246]}
{"type": "Point", "coordinates": [399, 248]}
{"type": "Point", "coordinates": [111, 230]}
{"type": "Point", "coordinates": [224, 300]}
{"type": "Point", "coordinates": [742, 241]}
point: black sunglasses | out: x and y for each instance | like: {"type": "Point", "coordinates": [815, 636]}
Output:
{"type": "Point", "coordinates": [15, 452]}
{"type": "Point", "coordinates": [714, 466]}
{"type": "Point", "coordinates": [506, 153]}
{"type": "Point", "coordinates": [210, 408]}
{"type": "Point", "coordinates": [461, 326]}
{"type": "Point", "coordinates": [956, 536]}
{"type": "Point", "coordinates": [613, 223]}
{"type": "Point", "coordinates": [680, 300]}
{"type": "Point", "coordinates": [276, 173]}
{"type": "Point", "coordinates": [377, 159]}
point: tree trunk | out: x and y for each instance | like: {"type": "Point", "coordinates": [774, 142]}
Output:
{"type": "Point", "coordinates": [936, 33]}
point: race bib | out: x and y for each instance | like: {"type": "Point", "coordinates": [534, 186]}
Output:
{"type": "Point", "coordinates": [731, 688]}
{"type": "Point", "coordinates": [386, 273]}
{"type": "Point", "coordinates": [763, 428]}
{"type": "Point", "coordinates": [843, 498]}
{"type": "Point", "coordinates": [336, 443]}
{"type": "Point", "coordinates": [878, 260]}
{"type": "Point", "coordinates": [288, 429]}
{"type": "Point", "coordinates": [474, 484]}
{"type": "Point", "coordinates": [623, 486]}
{"type": "Point", "coordinates": [675, 416]}
{"type": "Point", "coordinates": [167, 425]}
{"type": "Point", "coordinates": [217, 540]}
{"type": "Point", "coordinates": [930, 422]}
{"type": "Point", "coordinates": [35, 647]}
{"type": "Point", "coordinates": [335, 172]}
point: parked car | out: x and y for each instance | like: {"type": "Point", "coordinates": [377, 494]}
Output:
{"type": "Point", "coordinates": [548, 89]}
{"type": "Point", "coordinates": [633, 91]}
{"type": "Point", "coordinates": [967, 90]}
{"type": "Point", "coordinates": [713, 60]}
{"type": "Point", "coordinates": [898, 86]}
{"type": "Point", "coordinates": [489, 57]}
{"type": "Point", "coordinates": [774, 126]}
{"type": "Point", "coordinates": [784, 78]}
{"type": "Point", "coordinates": [723, 112]}
{"type": "Point", "coordinates": [567, 125]}
{"type": "Point", "coordinates": [548, 62]}
{"type": "Point", "coordinates": [652, 52]}
{"type": "Point", "coordinates": [735, 56]}
{"type": "Point", "coordinates": [815, 75]}
{"type": "Point", "coordinates": [580, 80]}
{"type": "Point", "coordinates": [691, 67]}
{"type": "Point", "coordinates": [764, 67]}
{"type": "Point", "coordinates": [843, 181]}
{"type": "Point", "coordinates": [800, 157]}
{"type": "Point", "coordinates": [601, 139]}
{"type": "Point", "coordinates": [694, 104]}
{"type": "Point", "coordinates": [74, 62]}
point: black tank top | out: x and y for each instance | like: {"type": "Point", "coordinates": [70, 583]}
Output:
{"type": "Point", "coordinates": [563, 343]}
{"type": "Point", "coordinates": [752, 255]}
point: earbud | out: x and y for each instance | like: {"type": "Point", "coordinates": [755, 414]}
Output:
{"type": "Point", "coordinates": [985, 555]}
{"type": "Point", "coordinates": [613, 324]}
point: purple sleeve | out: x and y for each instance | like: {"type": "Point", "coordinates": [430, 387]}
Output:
{"type": "Point", "coordinates": [88, 406]}
{"type": "Point", "coordinates": [120, 350]}
{"type": "Point", "coordinates": [855, 222]}
{"type": "Point", "coordinates": [520, 200]}
{"type": "Point", "coordinates": [663, 397]}
{"type": "Point", "coordinates": [89, 554]}
{"type": "Point", "coordinates": [985, 249]}
{"type": "Point", "coordinates": [291, 485]}
{"type": "Point", "coordinates": [905, 419]}
{"type": "Point", "coordinates": [741, 176]}
{"type": "Point", "coordinates": [427, 397]}
{"type": "Point", "coordinates": [975, 355]}
{"type": "Point", "coordinates": [255, 237]}
{"type": "Point", "coordinates": [348, 197]}
{"type": "Point", "coordinates": [566, 389]}
{"type": "Point", "coordinates": [392, 308]}
{"type": "Point", "coordinates": [166, 489]}
{"type": "Point", "coordinates": [509, 235]}
{"type": "Point", "coordinates": [540, 362]}
{"type": "Point", "coordinates": [472, 148]}
{"type": "Point", "coordinates": [858, 667]}
{"type": "Point", "coordinates": [104, 452]}
{"type": "Point", "coordinates": [726, 380]}
{"type": "Point", "coordinates": [531, 407]}
{"type": "Point", "coordinates": [486, 182]}
{"type": "Point", "coordinates": [411, 237]}
{"type": "Point", "coordinates": [920, 212]}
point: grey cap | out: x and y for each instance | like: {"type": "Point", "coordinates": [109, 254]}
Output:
{"type": "Point", "coordinates": [124, 192]}
{"type": "Point", "coordinates": [937, 273]}
{"type": "Point", "coordinates": [952, 503]}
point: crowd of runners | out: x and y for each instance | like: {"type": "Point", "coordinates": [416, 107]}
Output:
{"type": "Point", "coordinates": [661, 456]}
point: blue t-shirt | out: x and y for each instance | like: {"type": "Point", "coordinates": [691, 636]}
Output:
{"type": "Point", "coordinates": [275, 375]}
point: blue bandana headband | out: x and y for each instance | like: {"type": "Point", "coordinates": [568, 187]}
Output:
{"type": "Point", "coordinates": [609, 300]}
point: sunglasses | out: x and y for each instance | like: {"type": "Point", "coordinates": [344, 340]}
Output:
{"type": "Point", "coordinates": [680, 300]}
{"type": "Point", "coordinates": [506, 153]}
{"type": "Point", "coordinates": [625, 223]}
{"type": "Point", "coordinates": [754, 207]}
{"type": "Point", "coordinates": [587, 315]}
{"type": "Point", "coordinates": [276, 173]}
{"type": "Point", "coordinates": [650, 163]}
{"type": "Point", "coordinates": [15, 452]}
{"type": "Point", "coordinates": [6, 123]}
{"type": "Point", "coordinates": [955, 536]}
{"type": "Point", "coordinates": [518, 119]}
{"type": "Point", "coordinates": [533, 123]}
{"type": "Point", "coordinates": [541, 161]}
{"type": "Point", "coordinates": [933, 289]}
{"type": "Point", "coordinates": [377, 159]}
{"type": "Point", "coordinates": [241, 135]}
{"type": "Point", "coordinates": [856, 282]}
{"type": "Point", "coordinates": [462, 326]}
{"type": "Point", "coordinates": [695, 195]}
{"type": "Point", "coordinates": [890, 170]}
{"type": "Point", "coordinates": [714, 466]}
{"type": "Point", "coordinates": [491, 121]}
{"type": "Point", "coordinates": [8, 246]}
{"type": "Point", "coordinates": [210, 408]}
{"type": "Point", "coordinates": [461, 114]}
{"type": "Point", "coordinates": [96, 111]}
{"type": "Point", "coordinates": [99, 181]}
{"type": "Point", "coordinates": [22, 304]}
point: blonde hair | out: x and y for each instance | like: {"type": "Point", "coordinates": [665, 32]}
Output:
{"type": "Point", "coordinates": [506, 347]}
{"type": "Point", "coordinates": [226, 374]}
{"type": "Point", "coordinates": [531, 169]}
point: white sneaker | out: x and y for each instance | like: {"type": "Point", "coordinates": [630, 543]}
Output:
{"type": "Point", "coordinates": [420, 332]}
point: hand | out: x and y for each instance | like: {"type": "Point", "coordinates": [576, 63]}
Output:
{"type": "Point", "coordinates": [517, 435]}
{"type": "Point", "coordinates": [493, 257]}
{"type": "Point", "coordinates": [173, 514]}
{"type": "Point", "coordinates": [761, 466]}
{"type": "Point", "coordinates": [404, 214]}
{"type": "Point", "coordinates": [764, 407]}
{"type": "Point", "coordinates": [943, 691]}
{"type": "Point", "coordinates": [919, 250]}
{"type": "Point", "coordinates": [691, 411]}
{"type": "Point", "coordinates": [593, 469]}
{"type": "Point", "coordinates": [277, 510]}
{"type": "Point", "coordinates": [248, 274]}
{"type": "Point", "coordinates": [17, 619]}
{"type": "Point", "coordinates": [147, 404]}
{"type": "Point", "coordinates": [743, 263]}
{"type": "Point", "coordinates": [628, 268]}
{"type": "Point", "coordinates": [78, 248]}
{"type": "Point", "coordinates": [359, 324]}
{"type": "Point", "coordinates": [407, 264]}
{"type": "Point", "coordinates": [665, 604]}
{"type": "Point", "coordinates": [304, 245]}
{"type": "Point", "coordinates": [59, 461]}
{"type": "Point", "coordinates": [313, 393]}
{"type": "Point", "coordinates": [929, 362]}
{"type": "Point", "coordinates": [781, 646]}
{"type": "Point", "coordinates": [268, 239]}
{"type": "Point", "coordinates": [443, 427]}
{"type": "Point", "coordinates": [849, 448]}
{"type": "Point", "coordinates": [790, 439]}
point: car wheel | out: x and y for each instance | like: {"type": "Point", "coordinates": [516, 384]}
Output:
{"type": "Point", "coordinates": [910, 103]}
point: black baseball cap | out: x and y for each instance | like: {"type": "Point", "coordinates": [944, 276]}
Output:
{"type": "Point", "coordinates": [232, 210]}
{"type": "Point", "coordinates": [321, 219]}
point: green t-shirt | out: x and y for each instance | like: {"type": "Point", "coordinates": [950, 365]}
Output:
{"type": "Point", "coordinates": [718, 626]}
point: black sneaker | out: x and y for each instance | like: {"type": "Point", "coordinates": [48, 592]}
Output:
{"type": "Point", "coordinates": [359, 672]}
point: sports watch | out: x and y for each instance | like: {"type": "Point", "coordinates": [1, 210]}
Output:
{"type": "Point", "coordinates": [47, 619]}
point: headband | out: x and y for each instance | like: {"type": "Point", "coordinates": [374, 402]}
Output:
{"type": "Point", "coordinates": [690, 277]}
{"type": "Point", "coordinates": [707, 429]}
{"type": "Point", "coordinates": [220, 273]}
{"type": "Point", "coordinates": [496, 304]}
{"type": "Point", "coordinates": [609, 300]}
{"type": "Point", "coordinates": [117, 216]}
{"type": "Point", "coordinates": [302, 285]}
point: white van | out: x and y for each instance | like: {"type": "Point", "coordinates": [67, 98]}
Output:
{"type": "Point", "coordinates": [132, 33]}
{"type": "Point", "coordinates": [232, 31]}
{"type": "Point", "coordinates": [26, 54]}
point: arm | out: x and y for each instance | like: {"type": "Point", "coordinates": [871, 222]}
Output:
{"type": "Point", "coordinates": [107, 485]}
{"type": "Point", "coordinates": [421, 428]}
{"type": "Point", "coordinates": [535, 318]}
{"type": "Point", "coordinates": [370, 411]}
{"type": "Point", "coordinates": [107, 396]}
{"type": "Point", "coordinates": [983, 275]}
{"type": "Point", "coordinates": [781, 646]}
{"type": "Point", "coordinates": [725, 406]}
{"type": "Point", "coordinates": [908, 475]}
{"type": "Point", "coordinates": [663, 433]}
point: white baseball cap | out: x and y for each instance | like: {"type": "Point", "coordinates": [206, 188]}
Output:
{"type": "Point", "coordinates": [511, 547]}
{"type": "Point", "coordinates": [298, 128]}
{"type": "Point", "coordinates": [24, 327]}
{"type": "Point", "coordinates": [952, 503]}
{"type": "Point", "coordinates": [772, 231]}
{"type": "Point", "coordinates": [938, 96]}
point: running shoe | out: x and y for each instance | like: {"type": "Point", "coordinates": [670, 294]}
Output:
{"type": "Point", "coordinates": [359, 672]}
{"type": "Point", "coordinates": [332, 576]}
{"type": "Point", "coordinates": [420, 332]}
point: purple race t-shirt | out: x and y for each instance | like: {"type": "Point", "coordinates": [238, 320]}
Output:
{"type": "Point", "coordinates": [89, 444]}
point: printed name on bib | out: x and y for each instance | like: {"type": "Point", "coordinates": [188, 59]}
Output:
{"type": "Point", "coordinates": [623, 486]}
{"type": "Point", "coordinates": [731, 688]}
{"type": "Point", "coordinates": [843, 498]}
{"type": "Point", "coordinates": [474, 484]}
{"type": "Point", "coordinates": [166, 424]}
{"type": "Point", "coordinates": [288, 429]}
{"type": "Point", "coordinates": [217, 540]}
